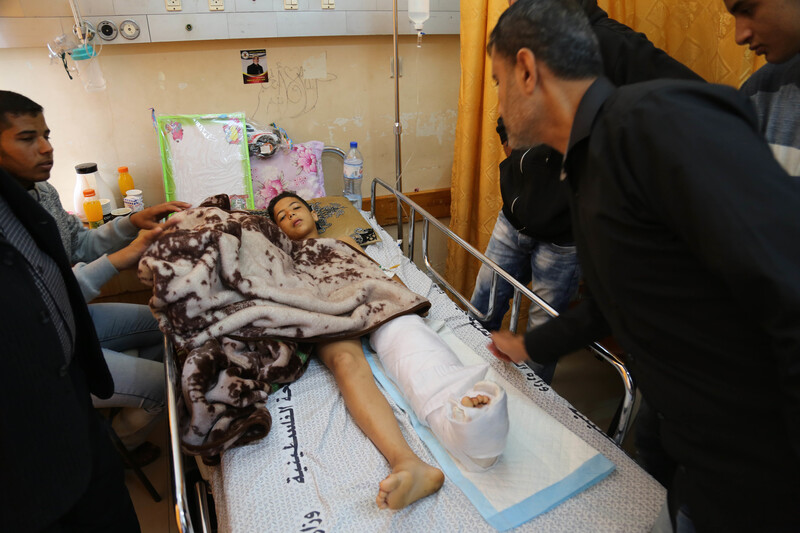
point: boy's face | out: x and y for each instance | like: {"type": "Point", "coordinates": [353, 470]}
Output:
{"type": "Point", "coordinates": [25, 149]}
{"type": "Point", "coordinates": [295, 219]}
{"type": "Point", "coordinates": [769, 27]}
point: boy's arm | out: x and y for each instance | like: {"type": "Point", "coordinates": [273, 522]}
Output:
{"type": "Point", "coordinates": [348, 240]}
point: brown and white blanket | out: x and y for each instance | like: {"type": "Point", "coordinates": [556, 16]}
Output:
{"type": "Point", "coordinates": [236, 296]}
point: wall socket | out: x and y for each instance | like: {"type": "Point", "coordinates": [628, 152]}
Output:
{"type": "Point", "coordinates": [328, 4]}
{"type": "Point", "coordinates": [290, 4]}
{"type": "Point", "coordinates": [216, 5]}
{"type": "Point", "coordinates": [173, 5]}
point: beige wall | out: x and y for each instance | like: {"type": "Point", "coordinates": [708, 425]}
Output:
{"type": "Point", "coordinates": [355, 101]}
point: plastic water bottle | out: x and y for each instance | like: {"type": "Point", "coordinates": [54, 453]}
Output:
{"type": "Point", "coordinates": [353, 172]}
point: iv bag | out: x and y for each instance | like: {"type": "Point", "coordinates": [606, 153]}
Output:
{"type": "Point", "coordinates": [419, 11]}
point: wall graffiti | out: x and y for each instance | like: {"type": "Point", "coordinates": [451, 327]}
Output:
{"type": "Point", "coordinates": [288, 94]}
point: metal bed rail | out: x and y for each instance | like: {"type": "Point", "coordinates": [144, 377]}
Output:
{"type": "Point", "coordinates": [520, 290]}
{"type": "Point", "coordinates": [180, 494]}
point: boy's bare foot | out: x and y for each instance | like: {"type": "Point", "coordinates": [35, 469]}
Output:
{"type": "Point", "coordinates": [409, 481]}
{"type": "Point", "coordinates": [475, 401]}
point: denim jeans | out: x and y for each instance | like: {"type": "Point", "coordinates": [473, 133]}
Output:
{"type": "Point", "coordinates": [139, 382]}
{"type": "Point", "coordinates": [552, 271]}
{"type": "Point", "coordinates": [683, 522]}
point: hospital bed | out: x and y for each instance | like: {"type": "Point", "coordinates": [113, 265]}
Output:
{"type": "Point", "coordinates": [315, 471]}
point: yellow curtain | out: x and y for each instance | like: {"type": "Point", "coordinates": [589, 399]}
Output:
{"type": "Point", "coordinates": [475, 189]}
{"type": "Point", "coordinates": [699, 33]}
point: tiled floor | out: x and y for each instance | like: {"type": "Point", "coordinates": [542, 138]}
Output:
{"type": "Point", "coordinates": [591, 385]}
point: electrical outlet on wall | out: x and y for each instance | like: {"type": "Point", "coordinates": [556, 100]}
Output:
{"type": "Point", "coordinates": [216, 5]}
{"type": "Point", "coordinates": [328, 4]}
{"type": "Point", "coordinates": [289, 4]}
{"type": "Point", "coordinates": [173, 5]}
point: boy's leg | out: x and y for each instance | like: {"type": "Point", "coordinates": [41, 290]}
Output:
{"type": "Point", "coordinates": [411, 479]}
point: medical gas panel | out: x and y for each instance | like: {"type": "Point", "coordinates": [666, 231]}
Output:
{"type": "Point", "coordinates": [30, 23]}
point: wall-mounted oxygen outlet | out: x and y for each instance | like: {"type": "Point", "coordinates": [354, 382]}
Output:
{"type": "Point", "coordinates": [216, 5]}
{"type": "Point", "coordinates": [173, 5]}
{"type": "Point", "coordinates": [289, 4]}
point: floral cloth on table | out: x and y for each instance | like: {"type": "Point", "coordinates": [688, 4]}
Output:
{"type": "Point", "coordinates": [298, 169]}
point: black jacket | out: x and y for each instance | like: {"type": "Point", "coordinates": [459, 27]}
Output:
{"type": "Point", "coordinates": [687, 233]}
{"type": "Point", "coordinates": [45, 451]}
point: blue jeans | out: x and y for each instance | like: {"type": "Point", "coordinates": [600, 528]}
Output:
{"type": "Point", "coordinates": [664, 524]}
{"type": "Point", "coordinates": [552, 271]}
{"type": "Point", "coordinates": [139, 382]}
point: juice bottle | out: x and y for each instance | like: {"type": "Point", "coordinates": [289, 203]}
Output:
{"type": "Point", "coordinates": [125, 181]}
{"type": "Point", "coordinates": [93, 209]}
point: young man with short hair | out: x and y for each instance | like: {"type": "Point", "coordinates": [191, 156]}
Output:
{"type": "Point", "coordinates": [58, 469]}
{"type": "Point", "coordinates": [772, 28]}
{"type": "Point", "coordinates": [97, 256]}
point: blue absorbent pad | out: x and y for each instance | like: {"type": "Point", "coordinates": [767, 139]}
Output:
{"type": "Point", "coordinates": [544, 463]}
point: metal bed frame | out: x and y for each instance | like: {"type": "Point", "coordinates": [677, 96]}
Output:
{"type": "Point", "coordinates": [181, 498]}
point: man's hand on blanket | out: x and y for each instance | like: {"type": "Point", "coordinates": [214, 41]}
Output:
{"type": "Point", "coordinates": [150, 217]}
{"type": "Point", "coordinates": [129, 256]}
{"type": "Point", "coordinates": [508, 347]}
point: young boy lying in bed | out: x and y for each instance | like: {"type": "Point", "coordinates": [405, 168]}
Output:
{"type": "Point", "coordinates": [407, 347]}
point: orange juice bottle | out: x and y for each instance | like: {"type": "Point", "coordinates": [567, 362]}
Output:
{"type": "Point", "coordinates": [125, 181]}
{"type": "Point", "coordinates": [92, 208]}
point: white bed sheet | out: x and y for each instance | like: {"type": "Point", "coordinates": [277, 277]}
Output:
{"type": "Point", "coordinates": [316, 471]}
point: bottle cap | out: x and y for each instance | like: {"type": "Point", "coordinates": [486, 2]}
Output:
{"type": "Point", "coordinates": [86, 168]}
{"type": "Point", "coordinates": [133, 192]}
{"type": "Point", "coordinates": [353, 144]}
{"type": "Point", "coordinates": [122, 169]}
{"type": "Point", "coordinates": [88, 192]}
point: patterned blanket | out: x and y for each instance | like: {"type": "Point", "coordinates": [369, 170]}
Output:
{"type": "Point", "coordinates": [243, 304]}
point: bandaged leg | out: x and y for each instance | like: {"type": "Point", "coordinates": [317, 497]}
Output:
{"type": "Point", "coordinates": [434, 382]}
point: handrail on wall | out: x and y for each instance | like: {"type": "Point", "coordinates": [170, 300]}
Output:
{"type": "Point", "coordinates": [626, 410]}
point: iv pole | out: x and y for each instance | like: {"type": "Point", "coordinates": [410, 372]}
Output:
{"type": "Point", "coordinates": [398, 127]}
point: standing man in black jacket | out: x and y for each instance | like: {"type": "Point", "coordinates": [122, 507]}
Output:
{"type": "Point", "coordinates": [687, 233]}
{"type": "Point", "coordinates": [58, 469]}
{"type": "Point", "coordinates": [532, 238]}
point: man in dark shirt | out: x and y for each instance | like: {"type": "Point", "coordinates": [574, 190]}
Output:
{"type": "Point", "coordinates": [687, 233]}
{"type": "Point", "coordinates": [532, 238]}
{"type": "Point", "coordinates": [58, 469]}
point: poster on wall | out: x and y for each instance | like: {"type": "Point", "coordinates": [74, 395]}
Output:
{"type": "Point", "coordinates": [254, 66]}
